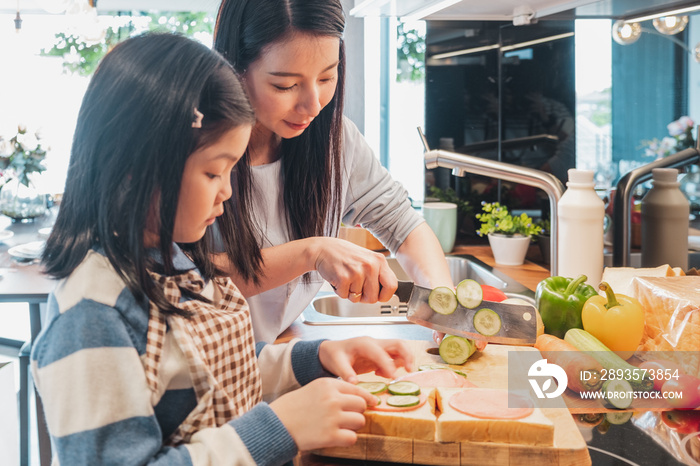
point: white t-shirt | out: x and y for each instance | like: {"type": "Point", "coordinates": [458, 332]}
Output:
{"type": "Point", "coordinates": [370, 198]}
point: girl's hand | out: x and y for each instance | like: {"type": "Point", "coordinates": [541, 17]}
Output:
{"type": "Point", "coordinates": [324, 413]}
{"type": "Point", "coordinates": [347, 358]}
{"type": "Point", "coordinates": [354, 272]}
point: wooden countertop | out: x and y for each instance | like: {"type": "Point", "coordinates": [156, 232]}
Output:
{"type": "Point", "coordinates": [529, 274]}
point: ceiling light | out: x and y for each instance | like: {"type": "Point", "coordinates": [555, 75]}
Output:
{"type": "Point", "coordinates": [670, 24]}
{"type": "Point", "coordinates": [456, 53]}
{"type": "Point", "coordinates": [625, 33]}
{"type": "Point", "coordinates": [678, 11]}
{"type": "Point", "coordinates": [18, 20]}
{"type": "Point", "coordinates": [18, 23]}
{"type": "Point", "coordinates": [428, 10]}
{"type": "Point", "coordinates": [520, 45]}
{"type": "Point", "coordinates": [505, 48]}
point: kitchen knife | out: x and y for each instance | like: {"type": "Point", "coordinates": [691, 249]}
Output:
{"type": "Point", "coordinates": [518, 321]}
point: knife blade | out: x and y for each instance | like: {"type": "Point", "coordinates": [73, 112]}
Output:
{"type": "Point", "coordinates": [518, 321]}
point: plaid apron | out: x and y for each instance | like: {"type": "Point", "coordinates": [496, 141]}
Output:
{"type": "Point", "coordinates": [218, 344]}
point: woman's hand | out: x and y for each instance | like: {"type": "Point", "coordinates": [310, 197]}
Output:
{"type": "Point", "coordinates": [438, 337]}
{"type": "Point", "coordinates": [347, 358]}
{"type": "Point", "coordinates": [324, 413]}
{"type": "Point", "coordinates": [354, 272]}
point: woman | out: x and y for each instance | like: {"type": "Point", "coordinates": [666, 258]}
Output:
{"type": "Point", "coordinates": [309, 168]}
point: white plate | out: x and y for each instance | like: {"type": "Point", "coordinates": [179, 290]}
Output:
{"type": "Point", "coordinates": [44, 232]}
{"type": "Point", "coordinates": [6, 234]}
{"type": "Point", "coordinates": [31, 250]}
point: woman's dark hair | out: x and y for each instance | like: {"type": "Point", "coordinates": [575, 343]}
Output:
{"type": "Point", "coordinates": [311, 162]}
{"type": "Point", "coordinates": [132, 139]}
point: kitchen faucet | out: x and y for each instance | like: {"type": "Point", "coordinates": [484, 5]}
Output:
{"type": "Point", "coordinates": [623, 198]}
{"type": "Point", "coordinates": [461, 164]}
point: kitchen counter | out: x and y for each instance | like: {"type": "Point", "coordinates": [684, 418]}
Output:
{"type": "Point", "coordinates": [621, 444]}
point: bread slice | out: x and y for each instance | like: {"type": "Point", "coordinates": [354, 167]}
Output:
{"type": "Point", "coordinates": [455, 426]}
{"type": "Point", "coordinates": [620, 278]}
{"type": "Point", "coordinates": [417, 423]}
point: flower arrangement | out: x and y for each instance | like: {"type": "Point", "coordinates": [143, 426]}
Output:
{"type": "Point", "coordinates": [496, 219]}
{"type": "Point", "coordinates": [21, 155]}
{"type": "Point", "coordinates": [680, 137]}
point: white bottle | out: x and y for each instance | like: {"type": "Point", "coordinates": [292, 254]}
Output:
{"type": "Point", "coordinates": [580, 214]}
{"type": "Point", "coordinates": [665, 221]}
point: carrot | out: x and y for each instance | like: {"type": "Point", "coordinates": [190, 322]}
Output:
{"type": "Point", "coordinates": [583, 371]}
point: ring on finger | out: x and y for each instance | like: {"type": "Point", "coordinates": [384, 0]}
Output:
{"type": "Point", "coordinates": [356, 295]}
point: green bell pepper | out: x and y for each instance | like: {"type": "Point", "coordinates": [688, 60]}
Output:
{"type": "Point", "coordinates": [560, 301]}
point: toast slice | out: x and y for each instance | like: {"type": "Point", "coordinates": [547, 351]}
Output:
{"type": "Point", "coordinates": [455, 426]}
{"type": "Point", "coordinates": [418, 423]}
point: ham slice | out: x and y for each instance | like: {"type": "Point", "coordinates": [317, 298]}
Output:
{"type": "Point", "coordinates": [384, 406]}
{"type": "Point", "coordinates": [492, 404]}
{"type": "Point", "coordinates": [437, 378]}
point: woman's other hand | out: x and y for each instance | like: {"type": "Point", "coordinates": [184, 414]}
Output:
{"type": "Point", "coordinates": [347, 358]}
{"type": "Point", "coordinates": [354, 272]}
{"type": "Point", "coordinates": [324, 413]}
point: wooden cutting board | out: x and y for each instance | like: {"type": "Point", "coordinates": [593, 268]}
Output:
{"type": "Point", "coordinates": [486, 369]}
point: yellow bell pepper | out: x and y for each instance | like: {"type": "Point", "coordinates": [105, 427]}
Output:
{"type": "Point", "coordinates": [616, 320]}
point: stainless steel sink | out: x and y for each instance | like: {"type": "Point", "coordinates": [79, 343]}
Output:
{"type": "Point", "coordinates": [329, 309]}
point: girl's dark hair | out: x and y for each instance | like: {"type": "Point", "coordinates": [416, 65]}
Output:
{"type": "Point", "coordinates": [133, 136]}
{"type": "Point", "coordinates": [311, 162]}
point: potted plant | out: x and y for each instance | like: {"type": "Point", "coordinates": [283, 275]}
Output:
{"type": "Point", "coordinates": [509, 236]}
{"type": "Point", "coordinates": [21, 156]}
{"type": "Point", "coordinates": [543, 238]}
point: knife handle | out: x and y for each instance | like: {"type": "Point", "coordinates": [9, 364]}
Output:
{"type": "Point", "coordinates": [404, 290]}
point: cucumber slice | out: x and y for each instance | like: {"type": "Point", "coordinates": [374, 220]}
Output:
{"type": "Point", "coordinates": [469, 293]}
{"type": "Point", "coordinates": [373, 387]}
{"type": "Point", "coordinates": [456, 350]}
{"type": "Point", "coordinates": [618, 393]}
{"type": "Point", "coordinates": [442, 300]}
{"type": "Point", "coordinates": [487, 322]}
{"type": "Point", "coordinates": [403, 401]}
{"type": "Point", "coordinates": [618, 418]}
{"type": "Point", "coordinates": [404, 388]}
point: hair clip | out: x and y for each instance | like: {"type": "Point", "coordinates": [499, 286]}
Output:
{"type": "Point", "coordinates": [198, 116]}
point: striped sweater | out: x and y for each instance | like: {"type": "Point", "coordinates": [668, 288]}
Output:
{"type": "Point", "coordinates": [87, 368]}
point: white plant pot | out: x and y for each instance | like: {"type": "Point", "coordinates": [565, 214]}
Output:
{"type": "Point", "coordinates": [509, 250]}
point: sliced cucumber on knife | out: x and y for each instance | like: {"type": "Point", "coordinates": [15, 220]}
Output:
{"type": "Point", "coordinates": [487, 322]}
{"type": "Point", "coordinates": [404, 388]}
{"type": "Point", "coordinates": [469, 293]}
{"type": "Point", "coordinates": [403, 401]}
{"type": "Point", "coordinates": [442, 300]}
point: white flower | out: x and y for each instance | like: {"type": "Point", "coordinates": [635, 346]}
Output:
{"type": "Point", "coordinates": [678, 127]}
{"type": "Point", "coordinates": [687, 121]}
{"type": "Point", "coordinates": [675, 128]}
{"type": "Point", "coordinates": [28, 140]}
{"type": "Point", "coordinates": [668, 144]}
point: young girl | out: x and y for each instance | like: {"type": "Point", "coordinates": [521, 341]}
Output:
{"type": "Point", "coordinates": [148, 353]}
{"type": "Point", "coordinates": [307, 169]}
